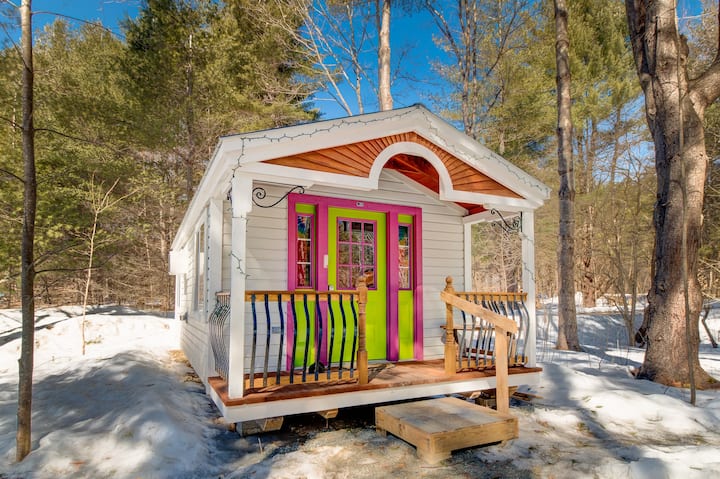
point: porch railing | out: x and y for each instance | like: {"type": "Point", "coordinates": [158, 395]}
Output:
{"type": "Point", "coordinates": [298, 337]}
{"type": "Point", "coordinates": [493, 333]}
{"type": "Point", "coordinates": [475, 335]}
{"type": "Point", "coordinates": [219, 338]}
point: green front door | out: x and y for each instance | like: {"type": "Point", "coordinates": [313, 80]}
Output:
{"type": "Point", "coordinates": [357, 247]}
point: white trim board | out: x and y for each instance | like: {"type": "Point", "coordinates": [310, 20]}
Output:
{"type": "Point", "coordinates": [249, 412]}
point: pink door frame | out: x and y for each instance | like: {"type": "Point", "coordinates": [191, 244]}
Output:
{"type": "Point", "coordinates": [322, 205]}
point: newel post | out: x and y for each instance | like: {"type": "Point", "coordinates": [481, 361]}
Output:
{"type": "Point", "coordinates": [502, 393]}
{"type": "Point", "coordinates": [362, 355]}
{"type": "Point", "coordinates": [451, 349]}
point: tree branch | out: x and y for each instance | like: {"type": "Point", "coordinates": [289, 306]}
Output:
{"type": "Point", "coordinates": [12, 175]}
{"type": "Point", "coordinates": [706, 87]}
{"type": "Point", "coordinates": [48, 254]}
{"type": "Point", "coordinates": [76, 19]}
{"type": "Point", "coordinates": [77, 138]}
{"type": "Point", "coordinates": [11, 122]}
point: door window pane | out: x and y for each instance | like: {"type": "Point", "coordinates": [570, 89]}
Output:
{"type": "Point", "coordinates": [404, 255]}
{"type": "Point", "coordinates": [356, 232]}
{"type": "Point", "coordinates": [344, 277]}
{"type": "Point", "coordinates": [343, 230]}
{"type": "Point", "coordinates": [356, 256]}
{"type": "Point", "coordinates": [369, 256]}
{"type": "Point", "coordinates": [356, 253]}
{"type": "Point", "coordinates": [305, 246]}
{"type": "Point", "coordinates": [344, 254]}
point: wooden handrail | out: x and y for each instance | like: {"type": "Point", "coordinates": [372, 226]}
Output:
{"type": "Point", "coordinates": [498, 320]}
{"type": "Point", "coordinates": [505, 295]}
{"type": "Point", "coordinates": [503, 326]}
{"type": "Point", "coordinates": [288, 295]}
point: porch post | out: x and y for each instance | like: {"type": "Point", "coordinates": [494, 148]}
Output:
{"type": "Point", "coordinates": [527, 236]}
{"type": "Point", "coordinates": [241, 198]}
{"type": "Point", "coordinates": [451, 348]}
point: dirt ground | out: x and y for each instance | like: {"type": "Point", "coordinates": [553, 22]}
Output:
{"type": "Point", "coordinates": [349, 447]}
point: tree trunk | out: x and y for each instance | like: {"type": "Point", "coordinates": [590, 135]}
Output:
{"type": "Point", "coordinates": [674, 108]}
{"type": "Point", "coordinates": [27, 278]}
{"type": "Point", "coordinates": [384, 95]}
{"type": "Point", "coordinates": [567, 319]}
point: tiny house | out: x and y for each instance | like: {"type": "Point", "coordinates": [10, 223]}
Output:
{"type": "Point", "coordinates": [328, 264]}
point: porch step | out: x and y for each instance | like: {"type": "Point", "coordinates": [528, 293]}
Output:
{"type": "Point", "coordinates": [436, 427]}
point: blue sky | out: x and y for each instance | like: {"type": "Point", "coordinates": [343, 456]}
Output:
{"type": "Point", "coordinates": [414, 33]}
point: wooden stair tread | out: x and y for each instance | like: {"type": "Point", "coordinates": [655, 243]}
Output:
{"type": "Point", "coordinates": [436, 427]}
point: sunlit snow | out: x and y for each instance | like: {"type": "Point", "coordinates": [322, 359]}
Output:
{"type": "Point", "coordinates": [131, 409]}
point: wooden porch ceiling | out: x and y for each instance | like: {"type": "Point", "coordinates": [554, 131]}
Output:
{"type": "Point", "coordinates": [357, 159]}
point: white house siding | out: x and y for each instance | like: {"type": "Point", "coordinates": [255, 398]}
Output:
{"type": "Point", "coordinates": [266, 267]}
{"type": "Point", "coordinates": [226, 244]}
{"type": "Point", "coordinates": [194, 335]}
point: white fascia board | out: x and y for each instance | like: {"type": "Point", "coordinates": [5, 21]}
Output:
{"type": "Point", "coordinates": [483, 159]}
{"type": "Point", "coordinates": [490, 201]}
{"type": "Point", "coordinates": [282, 142]}
{"type": "Point", "coordinates": [250, 412]}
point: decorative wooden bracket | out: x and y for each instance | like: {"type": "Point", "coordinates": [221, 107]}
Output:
{"type": "Point", "coordinates": [259, 193]}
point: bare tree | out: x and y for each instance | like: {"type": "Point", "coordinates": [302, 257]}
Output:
{"type": "Point", "coordinates": [567, 319]}
{"type": "Point", "coordinates": [99, 203]}
{"type": "Point", "coordinates": [479, 35]}
{"type": "Point", "coordinates": [674, 107]}
{"type": "Point", "coordinates": [27, 278]}
{"type": "Point", "coordinates": [334, 37]}
{"type": "Point", "coordinates": [625, 231]}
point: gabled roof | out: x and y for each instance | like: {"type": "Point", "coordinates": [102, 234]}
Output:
{"type": "Point", "coordinates": [351, 152]}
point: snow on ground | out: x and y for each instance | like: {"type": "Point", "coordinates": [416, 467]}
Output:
{"type": "Point", "coordinates": [131, 408]}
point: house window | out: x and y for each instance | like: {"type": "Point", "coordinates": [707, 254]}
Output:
{"type": "Point", "coordinates": [305, 247]}
{"type": "Point", "coordinates": [404, 255]}
{"type": "Point", "coordinates": [356, 253]}
{"type": "Point", "coordinates": [199, 297]}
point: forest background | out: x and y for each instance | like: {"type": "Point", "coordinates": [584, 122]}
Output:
{"type": "Point", "coordinates": [129, 112]}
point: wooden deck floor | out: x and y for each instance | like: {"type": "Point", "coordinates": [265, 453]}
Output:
{"type": "Point", "coordinates": [382, 376]}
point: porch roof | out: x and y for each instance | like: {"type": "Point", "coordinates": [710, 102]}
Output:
{"type": "Point", "coordinates": [351, 153]}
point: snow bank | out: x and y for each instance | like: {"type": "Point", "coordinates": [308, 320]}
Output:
{"type": "Point", "coordinates": [127, 409]}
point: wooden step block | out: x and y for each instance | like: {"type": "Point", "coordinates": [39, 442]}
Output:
{"type": "Point", "coordinates": [436, 427]}
{"type": "Point", "coordinates": [258, 426]}
{"type": "Point", "coordinates": [328, 414]}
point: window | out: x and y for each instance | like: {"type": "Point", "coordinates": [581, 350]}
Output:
{"type": "Point", "coordinates": [404, 261]}
{"type": "Point", "coordinates": [356, 253]}
{"type": "Point", "coordinates": [199, 297]}
{"type": "Point", "coordinates": [305, 247]}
